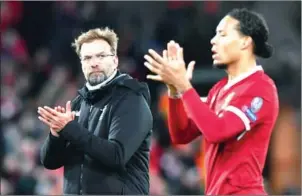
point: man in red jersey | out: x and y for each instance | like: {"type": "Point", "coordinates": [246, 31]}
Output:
{"type": "Point", "coordinates": [237, 118]}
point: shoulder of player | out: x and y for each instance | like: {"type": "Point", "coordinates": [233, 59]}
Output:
{"type": "Point", "coordinates": [268, 81]}
{"type": "Point", "coordinates": [263, 86]}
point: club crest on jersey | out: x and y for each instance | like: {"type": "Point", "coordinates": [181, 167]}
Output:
{"type": "Point", "coordinates": [256, 104]}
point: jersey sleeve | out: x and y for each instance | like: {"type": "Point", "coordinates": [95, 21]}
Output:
{"type": "Point", "coordinates": [250, 109]}
{"type": "Point", "coordinates": [182, 129]}
{"type": "Point", "coordinates": [240, 114]}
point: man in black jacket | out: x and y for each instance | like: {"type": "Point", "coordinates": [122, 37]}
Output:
{"type": "Point", "coordinates": [102, 138]}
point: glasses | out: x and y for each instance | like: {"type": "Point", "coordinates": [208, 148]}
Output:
{"type": "Point", "coordinates": [99, 57]}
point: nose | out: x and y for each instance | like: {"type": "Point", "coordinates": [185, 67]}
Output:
{"type": "Point", "coordinates": [213, 40]}
{"type": "Point", "coordinates": [94, 62]}
{"type": "Point", "coordinates": [93, 65]}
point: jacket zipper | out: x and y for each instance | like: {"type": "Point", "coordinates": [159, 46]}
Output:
{"type": "Point", "coordinates": [82, 165]}
{"type": "Point", "coordinates": [81, 180]}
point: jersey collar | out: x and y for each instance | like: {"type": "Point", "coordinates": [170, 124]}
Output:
{"type": "Point", "coordinates": [243, 76]}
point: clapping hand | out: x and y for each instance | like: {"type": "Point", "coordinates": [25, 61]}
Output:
{"type": "Point", "coordinates": [170, 68]}
{"type": "Point", "coordinates": [56, 118]}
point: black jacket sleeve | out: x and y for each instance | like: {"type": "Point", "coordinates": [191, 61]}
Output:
{"type": "Point", "coordinates": [53, 152]}
{"type": "Point", "coordinates": [131, 122]}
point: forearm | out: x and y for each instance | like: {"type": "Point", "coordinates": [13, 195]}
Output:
{"type": "Point", "coordinates": [213, 128]}
{"type": "Point", "coordinates": [181, 128]}
{"type": "Point", "coordinates": [109, 153]}
{"type": "Point", "coordinates": [52, 152]}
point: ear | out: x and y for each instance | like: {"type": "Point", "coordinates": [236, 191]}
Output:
{"type": "Point", "coordinates": [246, 42]}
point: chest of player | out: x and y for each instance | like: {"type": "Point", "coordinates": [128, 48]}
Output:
{"type": "Point", "coordinates": [223, 96]}
{"type": "Point", "coordinates": [221, 99]}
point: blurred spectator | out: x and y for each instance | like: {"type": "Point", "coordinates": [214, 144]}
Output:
{"type": "Point", "coordinates": [41, 69]}
{"type": "Point", "coordinates": [14, 45]}
{"type": "Point", "coordinates": [11, 14]}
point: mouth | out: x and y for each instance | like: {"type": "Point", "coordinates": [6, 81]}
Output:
{"type": "Point", "coordinates": [94, 72]}
{"type": "Point", "coordinates": [214, 54]}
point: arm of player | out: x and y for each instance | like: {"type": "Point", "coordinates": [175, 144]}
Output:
{"type": "Point", "coordinates": [230, 123]}
{"type": "Point", "coordinates": [182, 129]}
{"type": "Point", "coordinates": [52, 153]}
{"type": "Point", "coordinates": [131, 123]}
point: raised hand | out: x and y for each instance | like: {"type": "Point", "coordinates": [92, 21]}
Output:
{"type": "Point", "coordinates": [56, 118]}
{"type": "Point", "coordinates": [169, 55]}
{"type": "Point", "coordinates": [170, 68]}
{"type": "Point", "coordinates": [55, 129]}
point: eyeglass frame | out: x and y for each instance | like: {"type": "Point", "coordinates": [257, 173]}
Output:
{"type": "Point", "coordinates": [100, 56]}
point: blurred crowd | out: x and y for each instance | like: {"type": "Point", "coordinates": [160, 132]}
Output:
{"type": "Point", "coordinates": [39, 67]}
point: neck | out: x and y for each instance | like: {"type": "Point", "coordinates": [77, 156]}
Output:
{"type": "Point", "coordinates": [240, 67]}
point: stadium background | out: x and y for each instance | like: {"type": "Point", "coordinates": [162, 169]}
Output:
{"type": "Point", "coordinates": [38, 67]}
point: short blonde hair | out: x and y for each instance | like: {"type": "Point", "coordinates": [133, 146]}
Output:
{"type": "Point", "coordinates": [106, 34]}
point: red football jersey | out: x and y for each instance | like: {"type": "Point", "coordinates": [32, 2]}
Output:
{"type": "Point", "coordinates": [236, 122]}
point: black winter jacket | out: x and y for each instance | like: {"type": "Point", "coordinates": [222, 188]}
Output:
{"type": "Point", "coordinates": [105, 150]}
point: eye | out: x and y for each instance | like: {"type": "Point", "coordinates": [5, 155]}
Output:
{"type": "Point", "coordinates": [87, 57]}
{"type": "Point", "coordinates": [222, 34]}
{"type": "Point", "coordinates": [99, 55]}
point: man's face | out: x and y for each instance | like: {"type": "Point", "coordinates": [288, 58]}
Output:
{"type": "Point", "coordinates": [226, 44]}
{"type": "Point", "coordinates": [98, 62]}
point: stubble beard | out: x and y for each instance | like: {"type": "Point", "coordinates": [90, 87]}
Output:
{"type": "Point", "coordinates": [95, 79]}
{"type": "Point", "coordinates": [220, 66]}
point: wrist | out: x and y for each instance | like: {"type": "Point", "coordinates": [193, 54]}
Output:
{"type": "Point", "coordinates": [172, 92]}
{"type": "Point", "coordinates": [54, 133]}
{"type": "Point", "coordinates": [183, 87]}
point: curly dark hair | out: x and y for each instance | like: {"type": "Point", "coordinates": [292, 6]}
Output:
{"type": "Point", "coordinates": [254, 25]}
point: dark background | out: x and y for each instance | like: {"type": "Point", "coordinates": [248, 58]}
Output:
{"type": "Point", "coordinates": [39, 67]}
